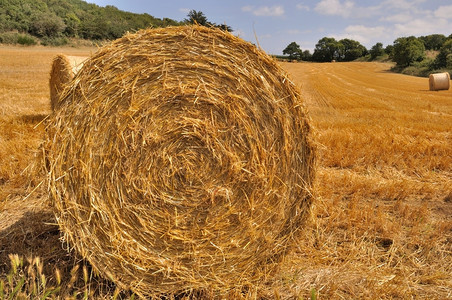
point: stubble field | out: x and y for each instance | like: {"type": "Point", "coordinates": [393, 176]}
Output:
{"type": "Point", "coordinates": [382, 223]}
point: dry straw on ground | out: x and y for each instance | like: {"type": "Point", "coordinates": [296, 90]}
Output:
{"type": "Point", "coordinates": [181, 160]}
{"type": "Point", "coordinates": [60, 74]}
{"type": "Point", "coordinates": [439, 81]}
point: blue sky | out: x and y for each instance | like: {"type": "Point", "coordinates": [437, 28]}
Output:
{"type": "Point", "coordinates": [278, 23]}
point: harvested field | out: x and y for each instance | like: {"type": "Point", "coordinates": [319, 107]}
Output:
{"type": "Point", "coordinates": [382, 224]}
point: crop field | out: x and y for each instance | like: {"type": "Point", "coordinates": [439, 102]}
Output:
{"type": "Point", "coordinates": [381, 226]}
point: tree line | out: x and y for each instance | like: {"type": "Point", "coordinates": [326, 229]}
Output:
{"type": "Point", "coordinates": [53, 21]}
{"type": "Point", "coordinates": [405, 51]}
{"type": "Point", "coordinates": [72, 18]}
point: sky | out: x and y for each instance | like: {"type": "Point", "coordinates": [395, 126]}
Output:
{"type": "Point", "coordinates": [274, 24]}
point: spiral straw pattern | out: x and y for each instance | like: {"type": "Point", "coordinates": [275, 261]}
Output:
{"type": "Point", "coordinates": [180, 160]}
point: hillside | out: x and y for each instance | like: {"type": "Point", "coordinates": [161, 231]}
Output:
{"type": "Point", "coordinates": [53, 20]}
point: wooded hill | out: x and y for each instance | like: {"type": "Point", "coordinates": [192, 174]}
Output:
{"type": "Point", "coordinates": [53, 20]}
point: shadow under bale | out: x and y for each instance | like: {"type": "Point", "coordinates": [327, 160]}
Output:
{"type": "Point", "coordinates": [35, 240]}
{"type": "Point", "coordinates": [33, 118]}
{"type": "Point", "coordinates": [35, 234]}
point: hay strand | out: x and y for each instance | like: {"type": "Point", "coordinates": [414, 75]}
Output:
{"type": "Point", "coordinates": [181, 160]}
{"type": "Point", "coordinates": [439, 81]}
{"type": "Point", "coordinates": [60, 74]}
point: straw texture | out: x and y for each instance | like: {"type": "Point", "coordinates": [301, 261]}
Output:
{"type": "Point", "coordinates": [181, 160]}
{"type": "Point", "coordinates": [439, 81]}
{"type": "Point", "coordinates": [60, 74]}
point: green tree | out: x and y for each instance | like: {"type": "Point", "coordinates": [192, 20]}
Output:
{"type": "Point", "coordinates": [58, 18]}
{"type": "Point", "coordinates": [224, 27]}
{"type": "Point", "coordinates": [16, 16]}
{"type": "Point", "coordinates": [351, 50]}
{"type": "Point", "coordinates": [449, 61]}
{"type": "Point", "coordinates": [408, 50]}
{"type": "Point", "coordinates": [197, 17]}
{"type": "Point", "coordinates": [47, 24]}
{"type": "Point", "coordinates": [72, 24]}
{"type": "Point", "coordinates": [294, 51]}
{"type": "Point", "coordinates": [327, 49]}
{"type": "Point", "coordinates": [307, 56]}
{"type": "Point", "coordinates": [4, 26]}
{"type": "Point", "coordinates": [444, 55]}
{"type": "Point", "coordinates": [169, 22]}
{"type": "Point", "coordinates": [433, 41]}
{"type": "Point", "coordinates": [376, 50]}
{"type": "Point", "coordinates": [389, 50]}
{"type": "Point", "coordinates": [89, 27]}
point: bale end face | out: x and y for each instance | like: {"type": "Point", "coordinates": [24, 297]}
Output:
{"type": "Point", "coordinates": [181, 160]}
{"type": "Point", "coordinates": [76, 62]}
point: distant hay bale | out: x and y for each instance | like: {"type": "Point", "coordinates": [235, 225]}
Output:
{"type": "Point", "coordinates": [439, 81]}
{"type": "Point", "coordinates": [181, 160]}
{"type": "Point", "coordinates": [60, 74]}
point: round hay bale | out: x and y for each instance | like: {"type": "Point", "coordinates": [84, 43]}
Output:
{"type": "Point", "coordinates": [181, 160]}
{"type": "Point", "coordinates": [60, 74]}
{"type": "Point", "coordinates": [439, 81]}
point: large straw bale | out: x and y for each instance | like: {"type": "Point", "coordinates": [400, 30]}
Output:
{"type": "Point", "coordinates": [181, 160]}
{"type": "Point", "coordinates": [60, 74]}
{"type": "Point", "coordinates": [439, 81]}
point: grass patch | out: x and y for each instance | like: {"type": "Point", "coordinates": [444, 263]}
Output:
{"type": "Point", "coordinates": [27, 279]}
{"type": "Point", "coordinates": [15, 38]}
{"type": "Point", "coordinates": [54, 41]}
{"type": "Point", "coordinates": [422, 68]}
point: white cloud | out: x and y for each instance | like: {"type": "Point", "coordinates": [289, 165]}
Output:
{"type": "Point", "coordinates": [419, 27]}
{"type": "Point", "coordinates": [335, 8]}
{"type": "Point", "coordinates": [184, 10]}
{"type": "Point", "coordinates": [398, 18]}
{"type": "Point", "coordinates": [301, 6]}
{"type": "Point", "coordinates": [364, 34]}
{"type": "Point", "coordinates": [402, 4]}
{"type": "Point", "coordinates": [409, 18]}
{"type": "Point", "coordinates": [387, 10]}
{"type": "Point", "coordinates": [265, 11]}
{"type": "Point", "coordinates": [444, 12]}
